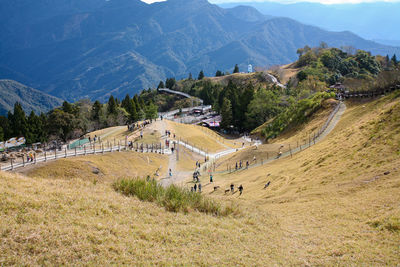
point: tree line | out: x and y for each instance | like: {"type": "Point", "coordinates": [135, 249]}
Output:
{"type": "Point", "coordinates": [72, 120]}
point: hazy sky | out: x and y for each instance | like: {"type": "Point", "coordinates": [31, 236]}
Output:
{"type": "Point", "coordinates": [292, 1]}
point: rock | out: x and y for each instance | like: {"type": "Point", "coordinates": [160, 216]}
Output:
{"type": "Point", "coordinates": [95, 170]}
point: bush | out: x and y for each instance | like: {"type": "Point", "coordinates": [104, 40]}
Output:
{"type": "Point", "coordinates": [173, 198]}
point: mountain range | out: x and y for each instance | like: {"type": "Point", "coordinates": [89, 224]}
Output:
{"type": "Point", "coordinates": [29, 98]}
{"type": "Point", "coordinates": [374, 21]}
{"type": "Point", "coordinates": [76, 49]}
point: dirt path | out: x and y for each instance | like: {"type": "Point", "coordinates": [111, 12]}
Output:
{"type": "Point", "coordinates": [178, 177]}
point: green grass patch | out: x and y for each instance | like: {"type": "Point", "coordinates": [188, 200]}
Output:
{"type": "Point", "coordinates": [172, 198]}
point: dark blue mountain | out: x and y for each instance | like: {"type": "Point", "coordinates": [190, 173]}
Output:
{"type": "Point", "coordinates": [75, 49]}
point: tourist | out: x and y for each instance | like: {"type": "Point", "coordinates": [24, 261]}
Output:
{"type": "Point", "coordinates": [240, 189]}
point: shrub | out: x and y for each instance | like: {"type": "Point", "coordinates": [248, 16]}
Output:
{"type": "Point", "coordinates": [295, 114]}
{"type": "Point", "coordinates": [172, 198]}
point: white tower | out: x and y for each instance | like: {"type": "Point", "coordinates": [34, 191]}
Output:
{"type": "Point", "coordinates": [249, 68]}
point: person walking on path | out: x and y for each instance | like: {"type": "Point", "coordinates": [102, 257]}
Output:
{"type": "Point", "coordinates": [232, 188]}
{"type": "Point", "coordinates": [170, 173]}
{"type": "Point", "coordinates": [199, 188]}
{"type": "Point", "coordinates": [211, 178]}
{"type": "Point", "coordinates": [240, 189]}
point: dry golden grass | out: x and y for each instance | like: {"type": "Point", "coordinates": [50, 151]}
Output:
{"type": "Point", "coordinates": [75, 222]}
{"type": "Point", "coordinates": [284, 73]}
{"type": "Point", "coordinates": [107, 167]}
{"type": "Point", "coordinates": [197, 136]}
{"type": "Point", "coordinates": [187, 160]}
{"type": "Point", "coordinates": [333, 199]}
{"type": "Point", "coordinates": [150, 136]}
{"type": "Point", "coordinates": [109, 134]}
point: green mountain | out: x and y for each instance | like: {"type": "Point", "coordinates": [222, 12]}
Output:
{"type": "Point", "coordinates": [30, 99]}
{"type": "Point", "coordinates": [77, 49]}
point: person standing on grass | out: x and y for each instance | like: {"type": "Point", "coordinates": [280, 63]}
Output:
{"type": "Point", "coordinates": [240, 189]}
{"type": "Point", "coordinates": [236, 166]}
{"type": "Point", "coordinates": [232, 188]}
{"type": "Point", "coordinates": [199, 188]}
{"type": "Point", "coordinates": [247, 164]}
{"type": "Point", "coordinates": [170, 173]}
{"type": "Point", "coordinates": [195, 187]}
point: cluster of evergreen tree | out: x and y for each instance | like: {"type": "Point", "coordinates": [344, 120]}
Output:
{"type": "Point", "coordinates": [242, 107]}
{"type": "Point", "coordinates": [74, 120]}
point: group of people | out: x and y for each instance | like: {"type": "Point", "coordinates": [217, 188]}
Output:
{"type": "Point", "coordinates": [196, 188]}
{"type": "Point", "coordinates": [240, 188]}
{"type": "Point", "coordinates": [30, 156]}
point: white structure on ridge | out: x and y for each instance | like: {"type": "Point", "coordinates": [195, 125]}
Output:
{"type": "Point", "coordinates": [249, 68]}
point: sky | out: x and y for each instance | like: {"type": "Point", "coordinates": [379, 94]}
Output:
{"type": "Point", "coordinates": [291, 1]}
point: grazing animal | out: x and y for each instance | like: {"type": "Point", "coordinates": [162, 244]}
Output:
{"type": "Point", "coordinates": [227, 191]}
{"type": "Point", "coordinates": [215, 188]}
{"type": "Point", "coordinates": [267, 184]}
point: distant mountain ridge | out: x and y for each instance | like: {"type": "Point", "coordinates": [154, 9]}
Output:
{"type": "Point", "coordinates": [373, 21]}
{"type": "Point", "coordinates": [90, 49]}
{"type": "Point", "coordinates": [29, 98]}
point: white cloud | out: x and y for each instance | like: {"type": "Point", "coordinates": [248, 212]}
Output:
{"type": "Point", "coordinates": [153, 1]}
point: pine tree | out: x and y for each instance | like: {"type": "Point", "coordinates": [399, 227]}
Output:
{"type": "Point", "coordinates": [96, 111]}
{"type": "Point", "coordinates": [218, 73]}
{"type": "Point", "coordinates": [5, 125]}
{"type": "Point", "coordinates": [137, 104]}
{"type": "Point", "coordinates": [35, 131]}
{"type": "Point", "coordinates": [161, 85]}
{"type": "Point", "coordinates": [170, 82]}
{"type": "Point", "coordinates": [67, 107]}
{"type": "Point", "coordinates": [190, 76]}
{"type": "Point", "coordinates": [18, 121]}
{"type": "Point", "coordinates": [133, 116]}
{"type": "Point", "coordinates": [226, 113]}
{"type": "Point", "coordinates": [387, 61]}
{"type": "Point", "coordinates": [1, 134]}
{"type": "Point", "coordinates": [394, 60]}
{"type": "Point", "coordinates": [126, 102]}
{"type": "Point", "coordinates": [112, 106]}
{"type": "Point", "coordinates": [236, 69]}
{"type": "Point", "coordinates": [201, 75]}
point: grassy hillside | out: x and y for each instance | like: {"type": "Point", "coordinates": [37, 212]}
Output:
{"type": "Point", "coordinates": [338, 200]}
{"type": "Point", "coordinates": [30, 99]}
{"type": "Point", "coordinates": [335, 203]}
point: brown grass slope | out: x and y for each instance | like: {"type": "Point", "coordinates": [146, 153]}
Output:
{"type": "Point", "coordinates": [334, 201]}
{"type": "Point", "coordinates": [329, 205]}
{"type": "Point", "coordinates": [76, 222]}
{"type": "Point", "coordinates": [102, 168]}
